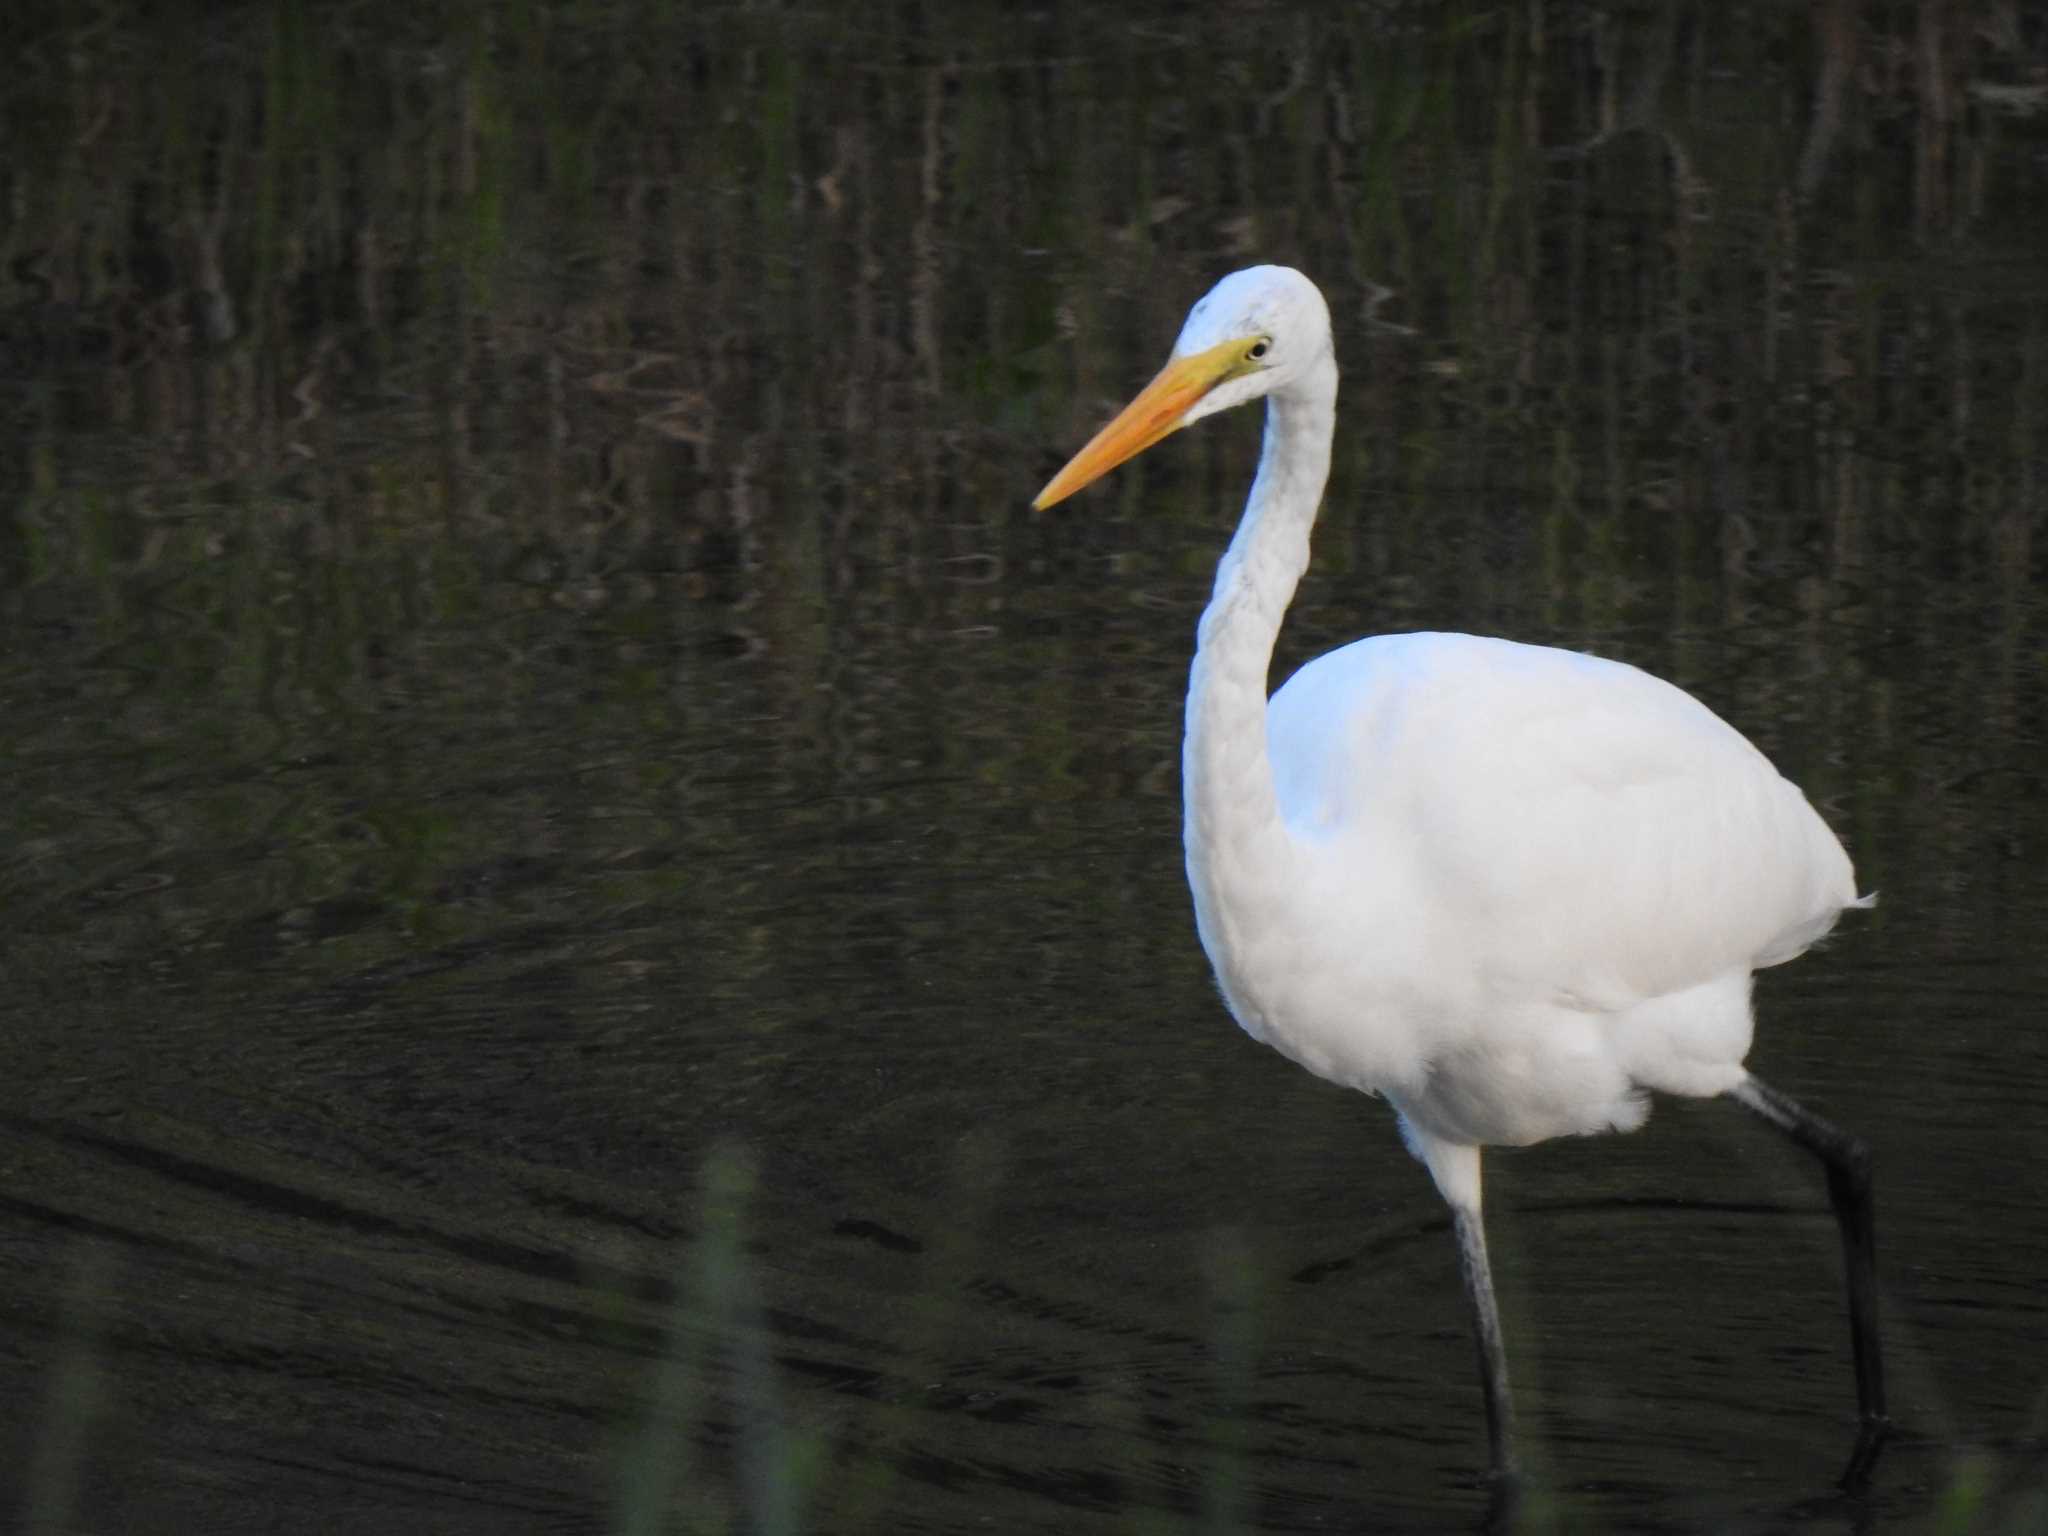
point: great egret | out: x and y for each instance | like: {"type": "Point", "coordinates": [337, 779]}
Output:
{"type": "Point", "coordinates": [1513, 890]}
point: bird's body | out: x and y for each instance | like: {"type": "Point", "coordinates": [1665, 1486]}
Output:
{"type": "Point", "coordinates": [1513, 889]}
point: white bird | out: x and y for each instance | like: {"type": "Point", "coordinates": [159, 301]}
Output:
{"type": "Point", "coordinates": [1511, 889]}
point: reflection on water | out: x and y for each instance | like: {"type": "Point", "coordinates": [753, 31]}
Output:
{"type": "Point", "coordinates": [594, 910]}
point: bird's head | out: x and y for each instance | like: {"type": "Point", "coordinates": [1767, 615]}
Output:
{"type": "Point", "coordinates": [1253, 334]}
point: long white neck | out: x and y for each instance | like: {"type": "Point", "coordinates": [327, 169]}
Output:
{"type": "Point", "coordinates": [1234, 837]}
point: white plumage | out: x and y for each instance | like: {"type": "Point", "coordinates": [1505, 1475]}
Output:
{"type": "Point", "coordinates": [1511, 888]}
{"type": "Point", "coordinates": [1572, 866]}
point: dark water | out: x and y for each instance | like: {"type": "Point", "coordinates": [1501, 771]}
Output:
{"type": "Point", "coordinates": [594, 931]}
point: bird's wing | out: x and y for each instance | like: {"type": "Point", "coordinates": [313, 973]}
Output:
{"type": "Point", "coordinates": [1575, 822]}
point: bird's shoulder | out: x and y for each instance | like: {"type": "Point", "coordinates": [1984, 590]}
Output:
{"type": "Point", "coordinates": [1514, 712]}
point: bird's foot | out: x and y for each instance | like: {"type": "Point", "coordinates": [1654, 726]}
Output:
{"type": "Point", "coordinates": [1503, 1499]}
{"type": "Point", "coordinates": [1875, 1429]}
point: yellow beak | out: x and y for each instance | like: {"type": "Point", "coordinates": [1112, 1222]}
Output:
{"type": "Point", "coordinates": [1160, 409]}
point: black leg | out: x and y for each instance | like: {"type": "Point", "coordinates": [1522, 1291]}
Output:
{"type": "Point", "coordinates": [1847, 1160]}
{"type": "Point", "coordinates": [1493, 1357]}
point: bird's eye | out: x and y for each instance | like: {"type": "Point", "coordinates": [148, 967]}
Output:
{"type": "Point", "coordinates": [1258, 349]}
